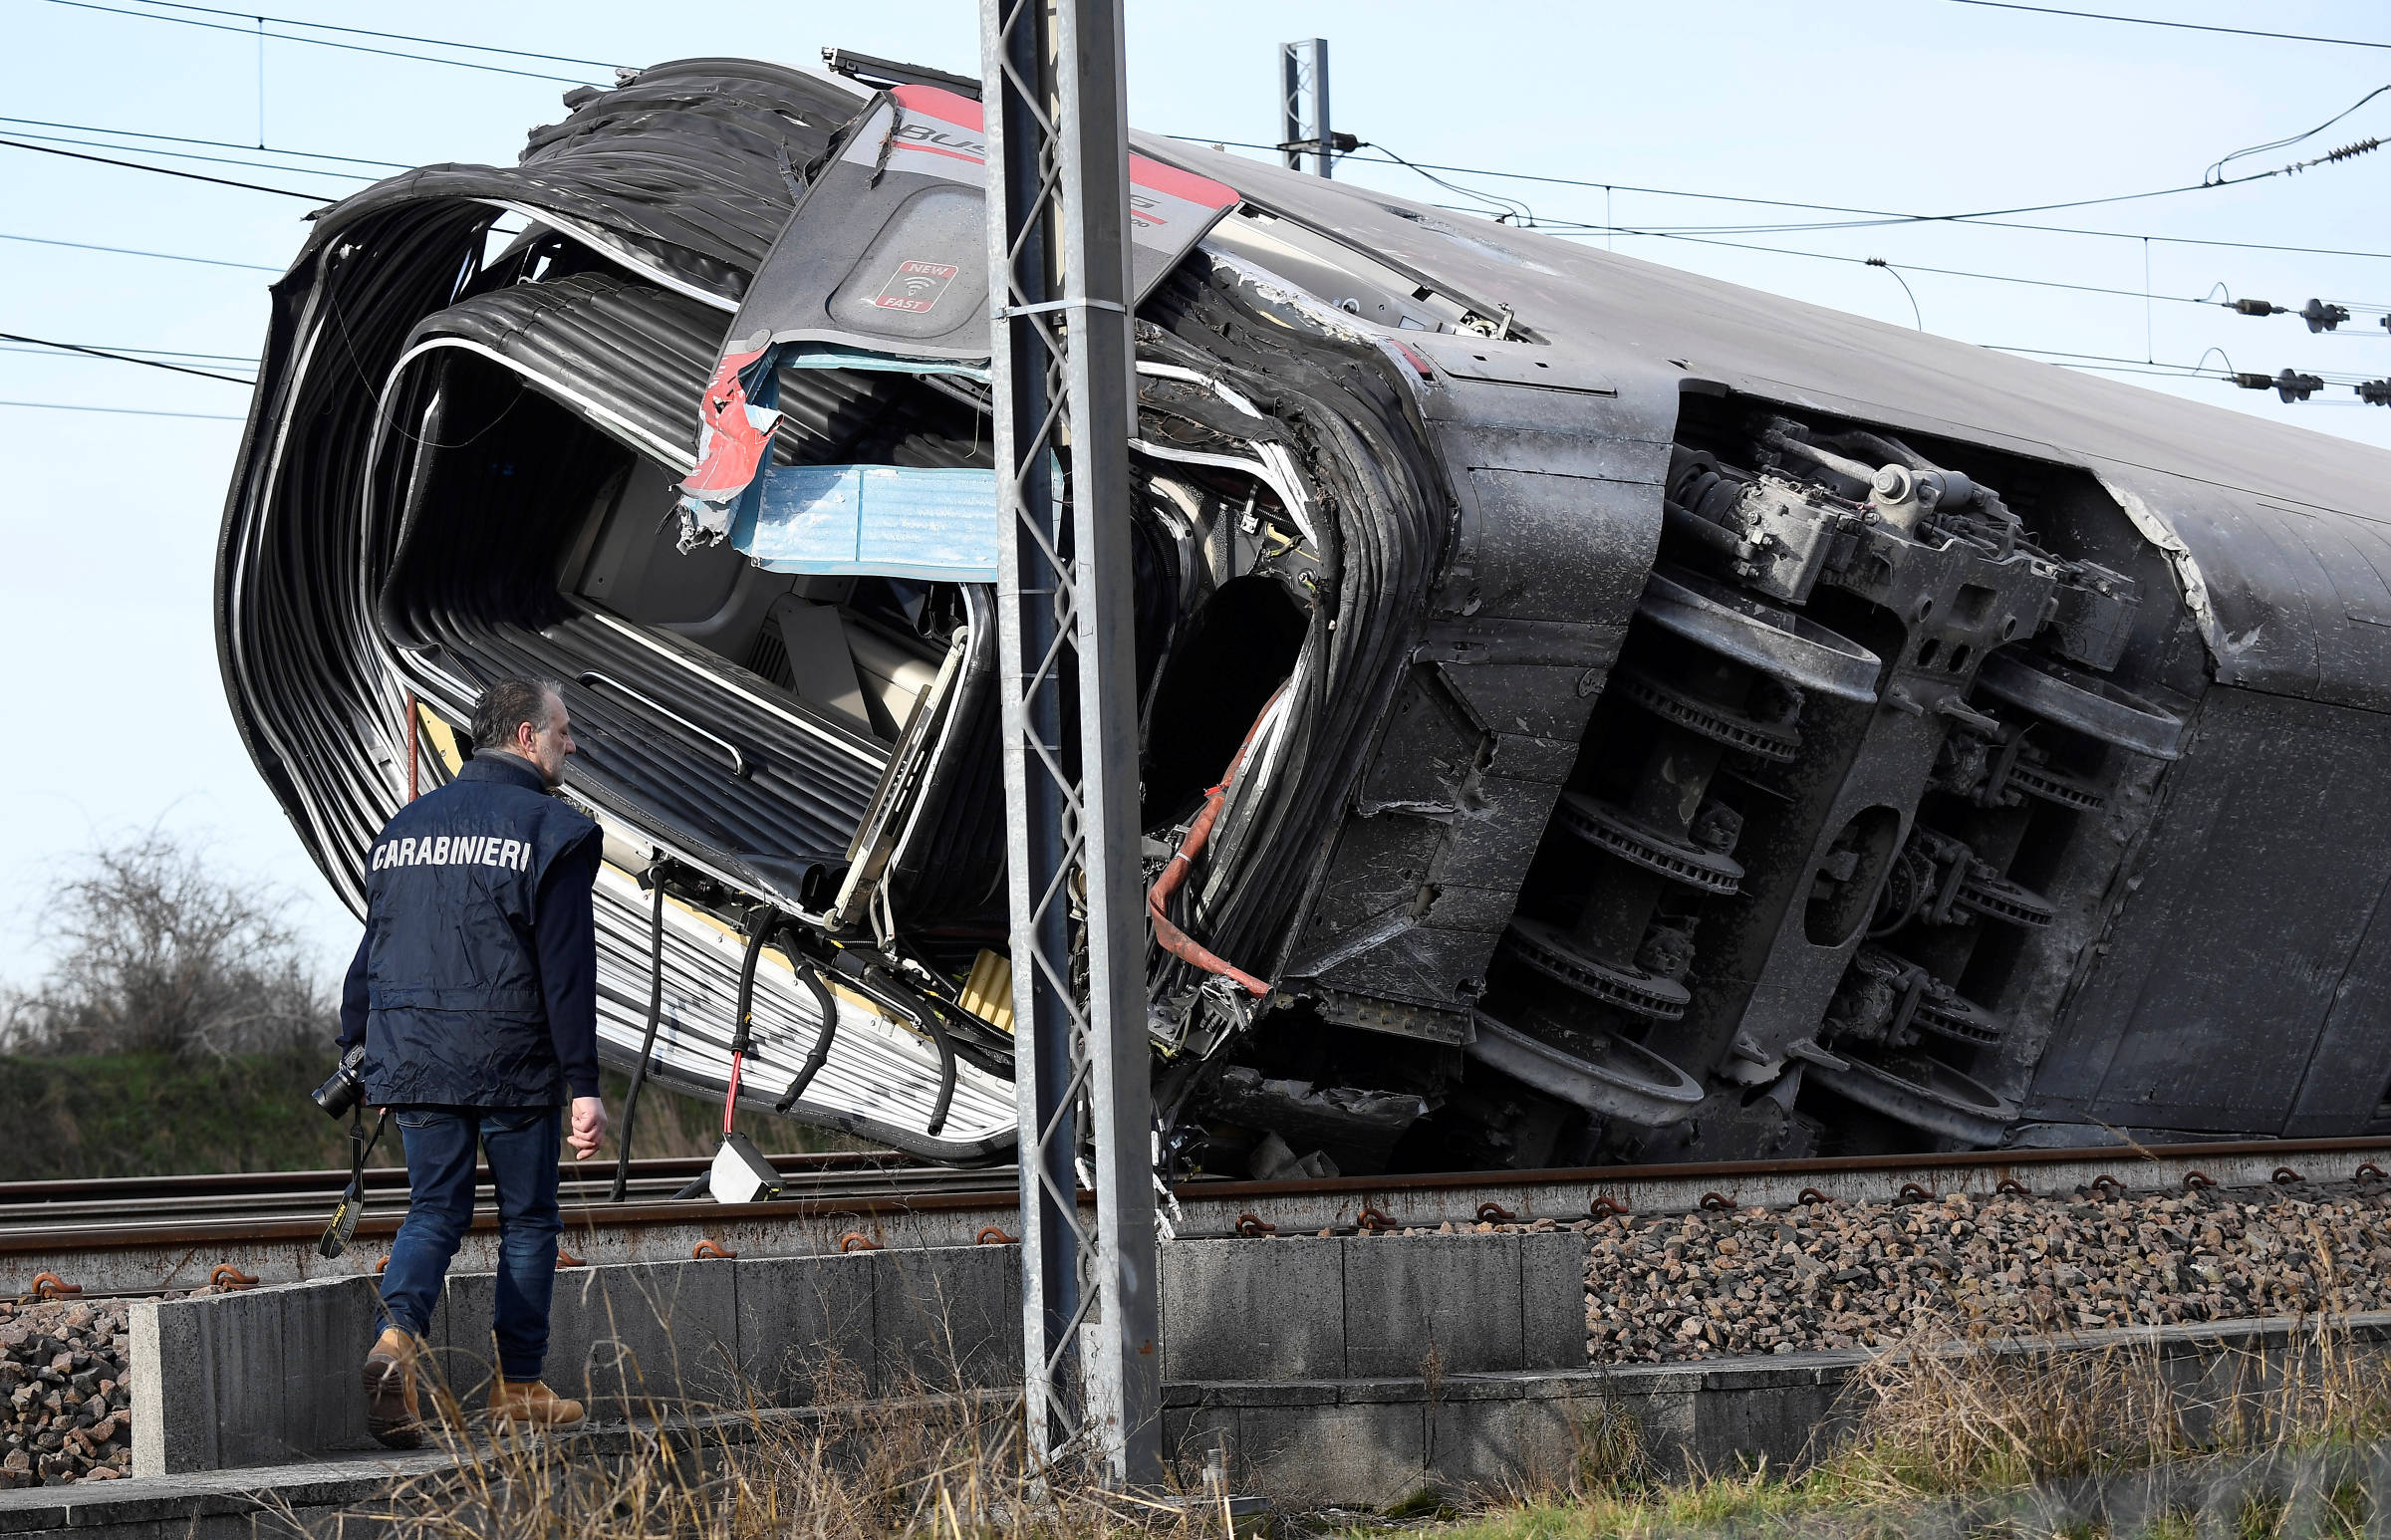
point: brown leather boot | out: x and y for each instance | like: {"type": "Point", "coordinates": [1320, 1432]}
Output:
{"type": "Point", "coordinates": [532, 1403]}
{"type": "Point", "coordinates": [391, 1413]}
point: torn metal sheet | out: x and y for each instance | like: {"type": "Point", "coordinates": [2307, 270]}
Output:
{"type": "Point", "coordinates": [888, 252]}
{"type": "Point", "coordinates": [885, 263]}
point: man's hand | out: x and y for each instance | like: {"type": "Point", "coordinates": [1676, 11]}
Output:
{"type": "Point", "coordinates": [589, 1127]}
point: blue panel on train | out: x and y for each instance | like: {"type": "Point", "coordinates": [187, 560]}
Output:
{"type": "Point", "coordinates": [890, 521]}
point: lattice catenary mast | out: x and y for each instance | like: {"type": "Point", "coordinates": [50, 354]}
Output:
{"type": "Point", "coordinates": [1062, 376]}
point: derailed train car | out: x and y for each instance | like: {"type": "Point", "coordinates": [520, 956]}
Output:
{"type": "Point", "coordinates": [1622, 715]}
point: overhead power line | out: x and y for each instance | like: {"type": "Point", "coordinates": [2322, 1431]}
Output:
{"type": "Point", "coordinates": [127, 251]}
{"type": "Point", "coordinates": [130, 411]}
{"type": "Point", "coordinates": [2175, 26]}
{"type": "Point", "coordinates": [187, 155]}
{"type": "Point", "coordinates": [2217, 169]}
{"type": "Point", "coordinates": [1575, 229]}
{"type": "Point", "coordinates": [2202, 369]}
{"type": "Point", "coordinates": [1890, 216]}
{"type": "Point", "coordinates": [1991, 215]}
{"type": "Point", "coordinates": [147, 353]}
{"type": "Point", "coordinates": [179, 138]}
{"type": "Point", "coordinates": [162, 171]}
{"type": "Point", "coordinates": [354, 48]}
{"type": "Point", "coordinates": [123, 358]}
{"type": "Point", "coordinates": [394, 37]}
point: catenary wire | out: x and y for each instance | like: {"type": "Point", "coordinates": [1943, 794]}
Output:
{"type": "Point", "coordinates": [179, 138]}
{"type": "Point", "coordinates": [354, 48]}
{"type": "Point", "coordinates": [392, 37]}
{"type": "Point", "coordinates": [2217, 168]}
{"type": "Point", "coordinates": [1893, 216]}
{"type": "Point", "coordinates": [147, 353]}
{"type": "Point", "coordinates": [2088, 360]}
{"type": "Point", "coordinates": [1874, 217]}
{"type": "Point", "coordinates": [1574, 229]}
{"type": "Point", "coordinates": [2329, 377]}
{"type": "Point", "coordinates": [129, 412]}
{"type": "Point", "coordinates": [189, 154]}
{"type": "Point", "coordinates": [123, 358]}
{"type": "Point", "coordinates": [127, 251]}
{"type": "Point", "coordinates": [2179, 26]}
{"type": "Point", "coordinates": [1944, 272]}
{"type": "Point", "coordinates": [165, 171]}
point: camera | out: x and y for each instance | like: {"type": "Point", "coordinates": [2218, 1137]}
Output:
{"type": "Point", "coordinates": [340, 1095]}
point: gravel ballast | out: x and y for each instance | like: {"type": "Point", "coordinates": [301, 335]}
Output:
{"type": "Point", "coordinates": [1678, 1287]}
{"type": "Point", "coordinates": [69, 1416]}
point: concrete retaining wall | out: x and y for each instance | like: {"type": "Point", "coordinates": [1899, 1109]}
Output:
{"type": "Point", "coordinates": [270, 1375]}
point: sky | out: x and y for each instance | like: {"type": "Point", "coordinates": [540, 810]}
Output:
{"type": "Point", "coordinates": [1933, 107]}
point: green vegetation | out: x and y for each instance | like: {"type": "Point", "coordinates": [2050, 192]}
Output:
{"type": "Point", "coordinates": [163, 1113]}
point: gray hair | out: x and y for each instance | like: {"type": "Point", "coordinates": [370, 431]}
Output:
{"type": "Point", "coordinates": [508, 704]}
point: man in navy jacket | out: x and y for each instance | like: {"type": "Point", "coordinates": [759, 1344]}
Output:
{"type": "Point", "coordinates": [476, 996]}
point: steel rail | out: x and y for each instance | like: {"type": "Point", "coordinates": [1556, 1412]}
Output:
{"type": "Point", "coordinates": [832, 1206]}
{"type": "Point", "coordinates": [76, 1187]}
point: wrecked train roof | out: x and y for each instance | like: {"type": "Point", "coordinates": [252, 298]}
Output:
{"type": "Point", "coordinates": [2277, 531]}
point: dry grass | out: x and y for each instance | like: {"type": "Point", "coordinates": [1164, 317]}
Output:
{"type": "Point", "coordinates": [1981, 1436]}
{"type": "Point", "coordinates": [2021, 1439]}
{"type": "Point", "coordinates": [1992, 1416]}
{"type": "Point", "coordinates": [918, 1462]}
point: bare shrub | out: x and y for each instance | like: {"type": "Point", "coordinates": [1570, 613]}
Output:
{"type": "Point", "coordinates": [161, 950]}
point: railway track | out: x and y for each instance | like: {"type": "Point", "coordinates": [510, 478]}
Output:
{"type": "Point", "coordinates": [147, 1236]}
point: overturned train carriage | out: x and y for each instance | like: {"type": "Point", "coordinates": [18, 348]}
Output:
{"type": "Point", "coordinates": [1622, 716]}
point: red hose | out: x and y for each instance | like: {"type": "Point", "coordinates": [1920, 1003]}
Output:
{"type": "Point", "coordinates": [1182, 860]}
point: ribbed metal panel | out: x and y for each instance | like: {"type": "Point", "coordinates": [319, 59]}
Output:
{"type": "Point", "coordinates": [633, 359]}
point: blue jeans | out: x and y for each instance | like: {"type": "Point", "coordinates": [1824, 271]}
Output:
{"type": "Point", "coordinates": [522, 1146]}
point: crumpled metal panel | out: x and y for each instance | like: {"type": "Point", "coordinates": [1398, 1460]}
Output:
{"type": "Point", "coordinates": [2285, 594]}
{"type": "Point", "coordinates": [1557, 468]}
{"type": "Point", "coordinates": [685, 174]}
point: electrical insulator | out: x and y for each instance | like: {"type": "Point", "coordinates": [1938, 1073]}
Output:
{"type": "Point", "coordinates": [2257, 307]}
{"type": "Point", "coordinates": [2290, 386]}
{"type": "Point", "coordinates": [2321, 317]}
{"type": "Point", "coordinates": [2374, 392]}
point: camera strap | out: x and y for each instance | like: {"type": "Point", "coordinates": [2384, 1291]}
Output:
{"type": "Point", "coordinates": [337, 1233]}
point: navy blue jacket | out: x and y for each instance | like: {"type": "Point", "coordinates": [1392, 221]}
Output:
{"type": "Point", "coordinates": [475, 984]}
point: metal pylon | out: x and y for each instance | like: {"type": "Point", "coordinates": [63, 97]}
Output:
{"type": "Point", "coordinates": [1303, 106]}
{"type": "Point", "coordinates": [1065, 406]}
